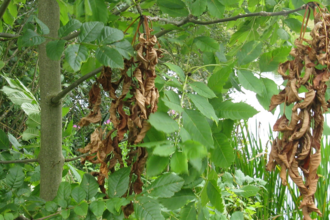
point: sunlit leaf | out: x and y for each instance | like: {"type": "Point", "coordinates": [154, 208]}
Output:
{"type": "Point", "coordinates": [249, 81]}
{"type": "Point", "coordinates": [206, 44]}
{"type": "Point", "coordinates": [118, 182]}
{"type": "Point", "coordinates": [147, 209]}
{"type": "Point", "coordinates": [109, 57]}
{"type": "Point", "coordinates": [15, 177]}
{"type": "Point", "coordinates": [197, 125]}
{"type": "Point", "coordinates": [223, 153]}
{"type": "Point", "coordinates": [75, 54]}
{"type": "Point", "coordinates": [67, 29]}
{"type": "Point", "coordinates": [165, 186]}
{"type": "Point", "coordinates": [234, 111]}
{"type": "Point", "coordinates": [90, 186]}
{"type": "Point", "coordinates": [163, 122]}
{"type": "Point", "coordinates": [90, 31]}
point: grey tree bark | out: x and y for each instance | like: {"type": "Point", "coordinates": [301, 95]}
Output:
{"type": "Point", "coordinates": [50, 158]}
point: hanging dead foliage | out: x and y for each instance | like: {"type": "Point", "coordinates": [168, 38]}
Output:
{"type": "Point", "coordinates": [133, 98]}
{"type": "Point", "coordinates": [299, 144]}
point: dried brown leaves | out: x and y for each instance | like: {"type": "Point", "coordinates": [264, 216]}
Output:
{"type": "Point", "coordinates": [133, 99]}
{"type": "Point", "coordinates": [303, 133]}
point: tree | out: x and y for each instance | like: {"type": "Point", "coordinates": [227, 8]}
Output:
{"type": "Point", "coordinates": [187, 145]}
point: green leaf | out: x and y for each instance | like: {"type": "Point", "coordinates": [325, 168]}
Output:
{"type": "Point", "coordinates": [162, 122]}
{"type": "Point", "coordinates": [71, 26]}
{"type": "Point", "coordinates": [30, 133]}
{"type": "Point", "coordinates": [239, 177]}
{"type": "Point", "coordinates": [249, 52]}
{"type": "Point", "coordinates": [97, 207]}
{"type": "Point", "coordinates": [156, 164]}
{"type": "Point", "coordinates": [219, 78]}
{"type": "Point", "coordinates": [64, 191]}
{"type": "Point", "coordinates": [165, 186]}
{"type": "Point", "coordinates": [31, 38]}
{"type": "Point", "coordinates": [214, 194]}
{"type": "Point", "coordinates": [174, 8]}
{"type": "Point", "coordinates": [118, 182]}
{"type": "Point", "coordinates": [202, 90]}
{"type": "Point", "coordinates": [65, 213]}
{"type": "Point", "coordinates": [197, 125]}
{"type": "Point", "coordinates": [203, 105]}
{"type": "Point", "coordinates": [283, 34]}
{"type": "Point", "coordinates": [172, 100]}
{"type": "Point", "coordinates": [43, 26]}
{"type": "Point", "coordinates": [164, 150]}
{"type": "Point", "coordinates": [51, 206]}
{"type": "Point", "coordinates": [30, 109]}
{"type": "Point", "coordinates": [270, 89]}
{"type": "Point", "coordinates": [125, 48]}
{"type": "Point", "coordinates": [114, 204]}
{"type": "Point", "coordinates": [15, 177]}
{"type": "Point", "coordinates": [12, 140]}
{"type": "Point", "coordinates": [90, 31]}
{"type": "Point", "coordinates": [234, 111]}
{"type": "Point", "coordinates": [110, 35]}
{"type": "Point", "coordinates": [81, 209]}
{"type": "Point", "coordinates": [294, 24]}
{"type": "Point", "coordinates": [237, 216]}
{"type": "Point", "coordinates": [229, 2]}
{"type": "Point", "coordinates": [90, 186]}
{"type": "Point", "coordinates": [55, 49]}
{"type": "Point", "coordinates": [78, 194]}
{"type": "Point", "coordinates": [189, 212]}
{"type": "Point", "coordinates": [75, 54]}
{"type": "Point", "coordinates": [147, 209]}
{"type": "Point", "coordinates": [249, 81]}
{"type": "Point", "coordinates": [206, 44]}
{"type": "Point", "coordinates": [178, 200]}
{"type": "Point", "coordinates": [194, 149]}
{"type": "Point", "coordinates": [198, 7]}
{"type": "Point", "coordinates": [90, 65]}
{"type": "Point", "coordinates": [99, 10]}
{"type": "Point", "coordinates": [4, 141]}
{"type": "Point", "coordinates": [223, 153]}
{"type": "Point", "coordinates": [215, 8]}
{"type": "Point", "coordinates": [179, 163]}
{"type": "Point", "coordinates": [269, 61]}
{"type": "Point", "coordinates": [109, 57]}
{"type": "Point", "coordinates": [177, 70]}
{"type": "Point", "coordinates": [249, 191]}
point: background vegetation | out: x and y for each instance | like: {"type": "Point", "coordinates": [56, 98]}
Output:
{"type": "Point", "coordinates": [203, 161]}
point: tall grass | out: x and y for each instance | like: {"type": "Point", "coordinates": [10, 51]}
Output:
{"type": "Point", "coordinates": [279, 202]}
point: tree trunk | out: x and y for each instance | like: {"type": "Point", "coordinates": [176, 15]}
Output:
{"type": "Point", "coordinates": [50, 158]}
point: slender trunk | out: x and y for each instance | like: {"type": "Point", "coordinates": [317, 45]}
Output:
{"type": "Point", "coordinates": [50, 158]}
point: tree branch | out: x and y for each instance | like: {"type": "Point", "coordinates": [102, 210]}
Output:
{"type": "Point", "coordinates": [65, 91]}
{"type": "Point", "coordinates": [36, 160]}
{"type": "Point", "coordinates": [76, 158]}
{"type": "Point", "coordinates": [19, 161]}
{"type": "Point", "coordinates": [193, 20]}
{"type": "Point", "coordinates": [3, 7]}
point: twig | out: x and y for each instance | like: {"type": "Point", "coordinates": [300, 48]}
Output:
{"type": "Point", "coordinates": [65, 91]}
{"type": "Point", "coordinates": [193, 20]}
{"type": "Point", "coordinates": [19, 161]}
{"type": "Point", "coordinates": [3, 7]}
{"type": "Point", "coordinates": [6, 112]}
{"type": "Point", "coordinates": [76, 158]}
{"type": "Point", "coordinates": [36, 160]}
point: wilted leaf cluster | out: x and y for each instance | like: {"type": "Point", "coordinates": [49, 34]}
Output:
{"type": "Point", "coordinates": [133, 97]}
{"type": "Point", "coordinates": [298, 144]}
